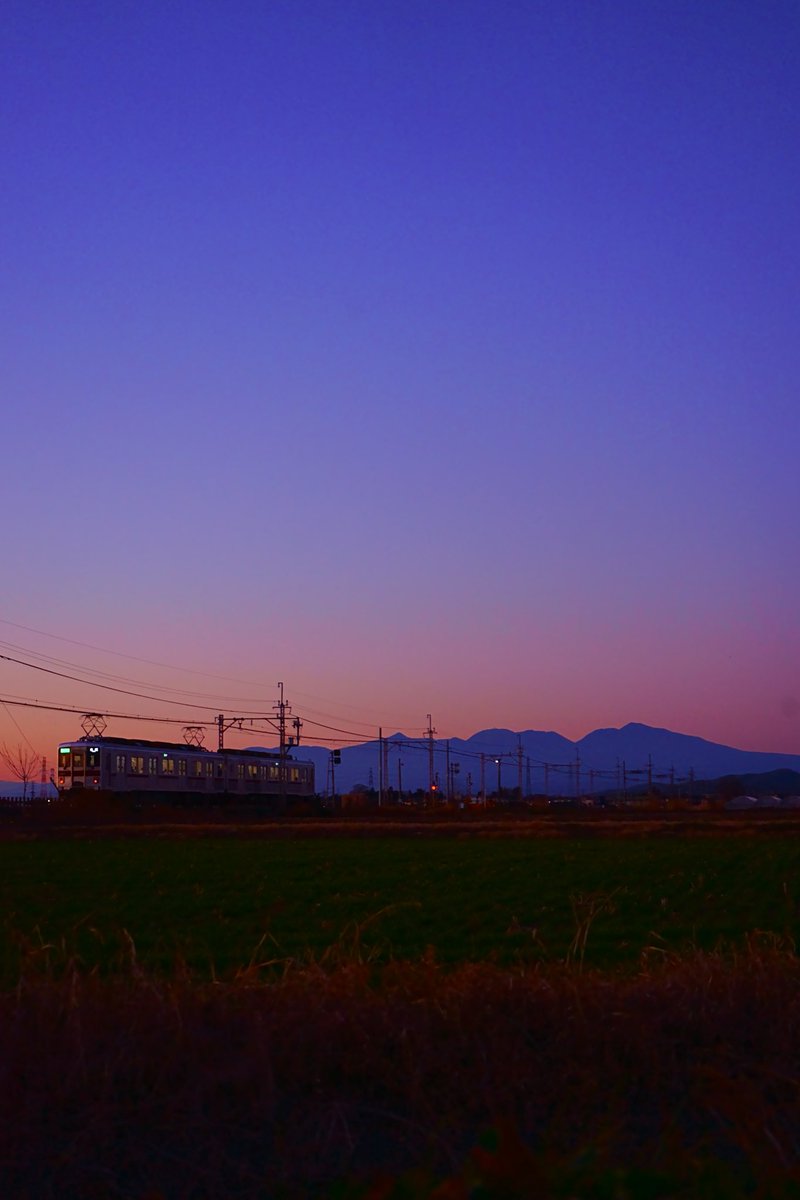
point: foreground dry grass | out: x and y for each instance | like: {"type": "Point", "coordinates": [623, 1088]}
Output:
{"type": "Point", "coordinates": [681, 1079]}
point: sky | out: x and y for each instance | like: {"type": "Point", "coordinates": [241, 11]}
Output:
{"type": "Point", "coordinates": [427, 357]}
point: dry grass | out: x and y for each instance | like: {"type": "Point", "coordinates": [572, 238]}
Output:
{"type": "Point", "coordinates": [594, 1084]}
{"type": "Point", "coordinates": [104, 815]}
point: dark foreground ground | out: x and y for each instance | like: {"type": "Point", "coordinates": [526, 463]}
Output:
{"type": "Point", "coordinates": [544, 1019]}
{"type": "Point", "coordinates": [407, 1081]}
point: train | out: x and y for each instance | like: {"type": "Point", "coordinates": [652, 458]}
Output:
{"type": "Point", "coordinates": [175, 772]}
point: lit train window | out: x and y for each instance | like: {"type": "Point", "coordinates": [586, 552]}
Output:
{"type": "Point", "coordinates": [240, 770]}
{"type": "Point", "coordinates": [77, 760]}
{"type": "Point", "coordinates": [209, 768]}
{"type": "Point", "coordinates": [137, 764]}
{"type": "Point", "coordinates": [181, 766]}
{"type": "Point", "coordinates": [273, 771]}
{"type": "Point", "coordinates": [167, 765]}
{"type": "Point", "coordinates": [252, 770]}
{"type": "Point", "coordinates": [198, 766]}
{"type": "Point", "coordinates": [119, 764]}
{"type": "Point", "coordinates": [152, 765]}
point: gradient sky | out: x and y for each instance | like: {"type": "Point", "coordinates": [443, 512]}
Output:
{"type": "Point", "coordinates": [429, 357]}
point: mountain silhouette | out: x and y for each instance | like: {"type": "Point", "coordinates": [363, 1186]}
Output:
{"type": "Point", "coordinates": [548, 760]}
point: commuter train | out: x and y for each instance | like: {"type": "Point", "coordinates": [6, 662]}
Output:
{"type": "Point", "coordinates": [181, 773]}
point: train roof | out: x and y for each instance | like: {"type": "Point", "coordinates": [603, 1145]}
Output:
{"type": "Point", "coordinates": [184, 747]}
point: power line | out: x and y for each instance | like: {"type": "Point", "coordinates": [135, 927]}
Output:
{"type": "Point", "coordinates": [21, 731]}
{"type": "Point", "coordinates": [59, 662]}
{"type": "Point", "coordinates": [117, 716]}
{"type": "Point", "coordinates": [351, 736]}
{"type": "Point", "coordinates": [169, 666]}
{"type": "Point", "coordinates": [119, 654]}
{"type": "Point", "coordinates": [110, 688]}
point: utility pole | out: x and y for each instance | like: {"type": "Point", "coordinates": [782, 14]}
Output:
{"type": "Point", "coordinates": [624, 782]}
{"type": "Point", "coordinates": [449, 776]}
{"type": "Point", "coordinates": [528, 791]}
{"type": "Point", "coordinates": [220, 732]}
{"type": "Point", "coordinates": [431, 791]}
{"type": "Point", "coordinates": [281, 706]}
{"type": "Point", "coordinates": [519, 770]}
{"type": "Point", "coordinates": [380, 767]}
{"type": "Point", "coordinates": [399, 777]}
{"type": "Point", "coordinates": [386, 783]}
{"type": "Point", "coordinates": [547, 779]}
{"type": "Point", "coordinates": [499, 762]}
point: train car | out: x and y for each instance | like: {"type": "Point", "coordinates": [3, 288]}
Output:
{"type": "Point", "coordinates": [180, 773]}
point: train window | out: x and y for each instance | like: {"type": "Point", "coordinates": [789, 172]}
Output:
{"type": "Point", "coordinates": [220, 770]}
{"type": "Point", "coordinates": [181, 766]}
{"type": "Point", "coordinates": [93, 759]}
{"type": "Point", "coordinates": [77, 760]}
{"type": "Point", "coordinates": [295, 775]}
{"type": "Point", "coordinates": [252, 770]}
{"type": "Point", "coordinates": [198, 766]}
{"type": "Point", "coordinates": [119, 764]}
{"type": "Point", "coordinates": [137, 764]}
{"type": "Point", "coordinates": [65, 760]}
{"type": "Point", "coordinates": [167, 765]}
{"type": "Point", "coordinates": [209, 766]}
{"type": "Point", "coordinates": [240, 770]}
{"type": "Point", "coordinates": [273, 771]}
{"type": "Point", "coordinates": [152, 765]}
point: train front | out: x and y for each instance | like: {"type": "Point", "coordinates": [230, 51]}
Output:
{"type": "Point", "coordinates": [79, 766]}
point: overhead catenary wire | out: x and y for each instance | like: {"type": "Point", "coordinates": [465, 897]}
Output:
{"type": "Point", "coordinates": [414, 744]}
{"type": "Point", "coordinates": [19, 728]}
{"type": "Point", "coordinates": [117, 678]}
{"type": "Point", "coordinates": [345, 736]}
{"type": "Point", "coordinates": [120, 654]}
{"type": "Point", "coordinates": [65, 708]}
{"type": "Point", "coordinates": [120, 691]}
{"type": "Point", "coordinates": [375, 721]}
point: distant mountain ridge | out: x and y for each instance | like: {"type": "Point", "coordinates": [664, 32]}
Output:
{"type": "Point", "coordinates": [551, 763]}
{"type": "Point", "coordinates": [599, 757]}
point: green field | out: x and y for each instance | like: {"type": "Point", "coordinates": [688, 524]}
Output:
{"type": "Point", "coordinates": [215, 903]}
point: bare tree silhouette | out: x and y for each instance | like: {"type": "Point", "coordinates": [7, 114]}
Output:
{"type": "Point", "coordinates": [22, 763]}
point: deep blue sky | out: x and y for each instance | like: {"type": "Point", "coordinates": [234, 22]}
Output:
{"type": "Point", "coordinates": [428, 356]}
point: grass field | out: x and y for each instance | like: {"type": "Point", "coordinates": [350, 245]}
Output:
{"type": "Point", "coordinates": [215, 903]}
{"type": "Point", "coordinates": [440, 1018]}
